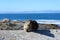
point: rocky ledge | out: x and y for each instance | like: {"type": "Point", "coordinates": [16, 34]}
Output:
{"type": "Point", "coordinates": [7, 24]}
{"type": "Point", "coordinates": [12, 30]}
{"type": "Point", "coordinates": [22, 35]}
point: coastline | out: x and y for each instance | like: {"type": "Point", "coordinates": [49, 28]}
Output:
{"type": "Point", "coordinates": [7, 24]}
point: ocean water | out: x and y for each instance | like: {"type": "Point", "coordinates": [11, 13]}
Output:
{"type": "Point", "coordinates": [49, 18]}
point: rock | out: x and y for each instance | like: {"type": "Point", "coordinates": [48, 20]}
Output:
{"type": "Point", "coordinates": [48, 26]}
{"type": "Point", "coordinates": [15, 21]}
{"type": "Point", "coordinates": [5, 20]}
{"type": "Point", "coordinates": [30, 25]}
{"type": "Point", "coordinates": [21, 35]}
{"type": "Point", "coordinates": [3, 27]}
{"type": "Point", "coordinates": [0, 23]}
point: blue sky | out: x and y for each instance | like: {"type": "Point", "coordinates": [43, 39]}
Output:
{"type": "Point", "coordinates": [28, 5]}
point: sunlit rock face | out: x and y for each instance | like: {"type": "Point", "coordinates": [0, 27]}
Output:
{"type": "Point", "coordinates": [5, 20]}
{"type": "Point", "coordinates": [30, 25]}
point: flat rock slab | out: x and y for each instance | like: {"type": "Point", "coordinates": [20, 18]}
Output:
{"type": "Point", "coordinates": [37, 35]}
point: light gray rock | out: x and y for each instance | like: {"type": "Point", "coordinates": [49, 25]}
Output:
{"type": "Point", "coordinates": [22, 35]}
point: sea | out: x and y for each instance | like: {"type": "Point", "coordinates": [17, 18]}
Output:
{"type": "Point", "coordinates": [46, 18]}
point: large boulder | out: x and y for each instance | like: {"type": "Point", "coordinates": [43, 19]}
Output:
{"type": "Point", "coordinates": [30, 25]}
{"type": "Point", "coordinates": [5, 20]}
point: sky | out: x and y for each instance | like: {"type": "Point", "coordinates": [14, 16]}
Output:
{"type": "Point", "coordinates": [28, 5]}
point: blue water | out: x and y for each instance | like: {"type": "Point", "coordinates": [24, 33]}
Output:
{"type": "Point", "coordinates": [49, 16]}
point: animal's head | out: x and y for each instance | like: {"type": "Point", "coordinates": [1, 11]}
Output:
{"type": "Point", "coordinates": [30, 25]}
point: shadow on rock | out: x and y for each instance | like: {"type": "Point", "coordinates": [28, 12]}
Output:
{"type": "Point", "coordinates": [45, 32]}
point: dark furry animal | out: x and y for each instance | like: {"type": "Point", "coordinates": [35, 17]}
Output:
{"type": "Point", "coordinates": [30, 25]}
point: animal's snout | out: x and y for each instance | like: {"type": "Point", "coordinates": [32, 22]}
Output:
{"type": "Point", "coordinates": [30, 25]}
{"type": "Point", "coordinates": [28, 30]}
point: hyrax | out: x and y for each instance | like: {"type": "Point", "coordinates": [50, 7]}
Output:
{"type": "Point", "coordinates": [30, 25]}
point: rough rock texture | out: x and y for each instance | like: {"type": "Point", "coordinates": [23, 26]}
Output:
{"type": "Point", "coordinates": [48, 26]}
{"type": "Point", "coordinates": [31, 24]}
{"type": "Point", "coordinates": [22, 35]}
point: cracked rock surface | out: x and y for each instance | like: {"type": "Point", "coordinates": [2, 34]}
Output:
{"type": "Point", "coordinates": [22, 35]}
